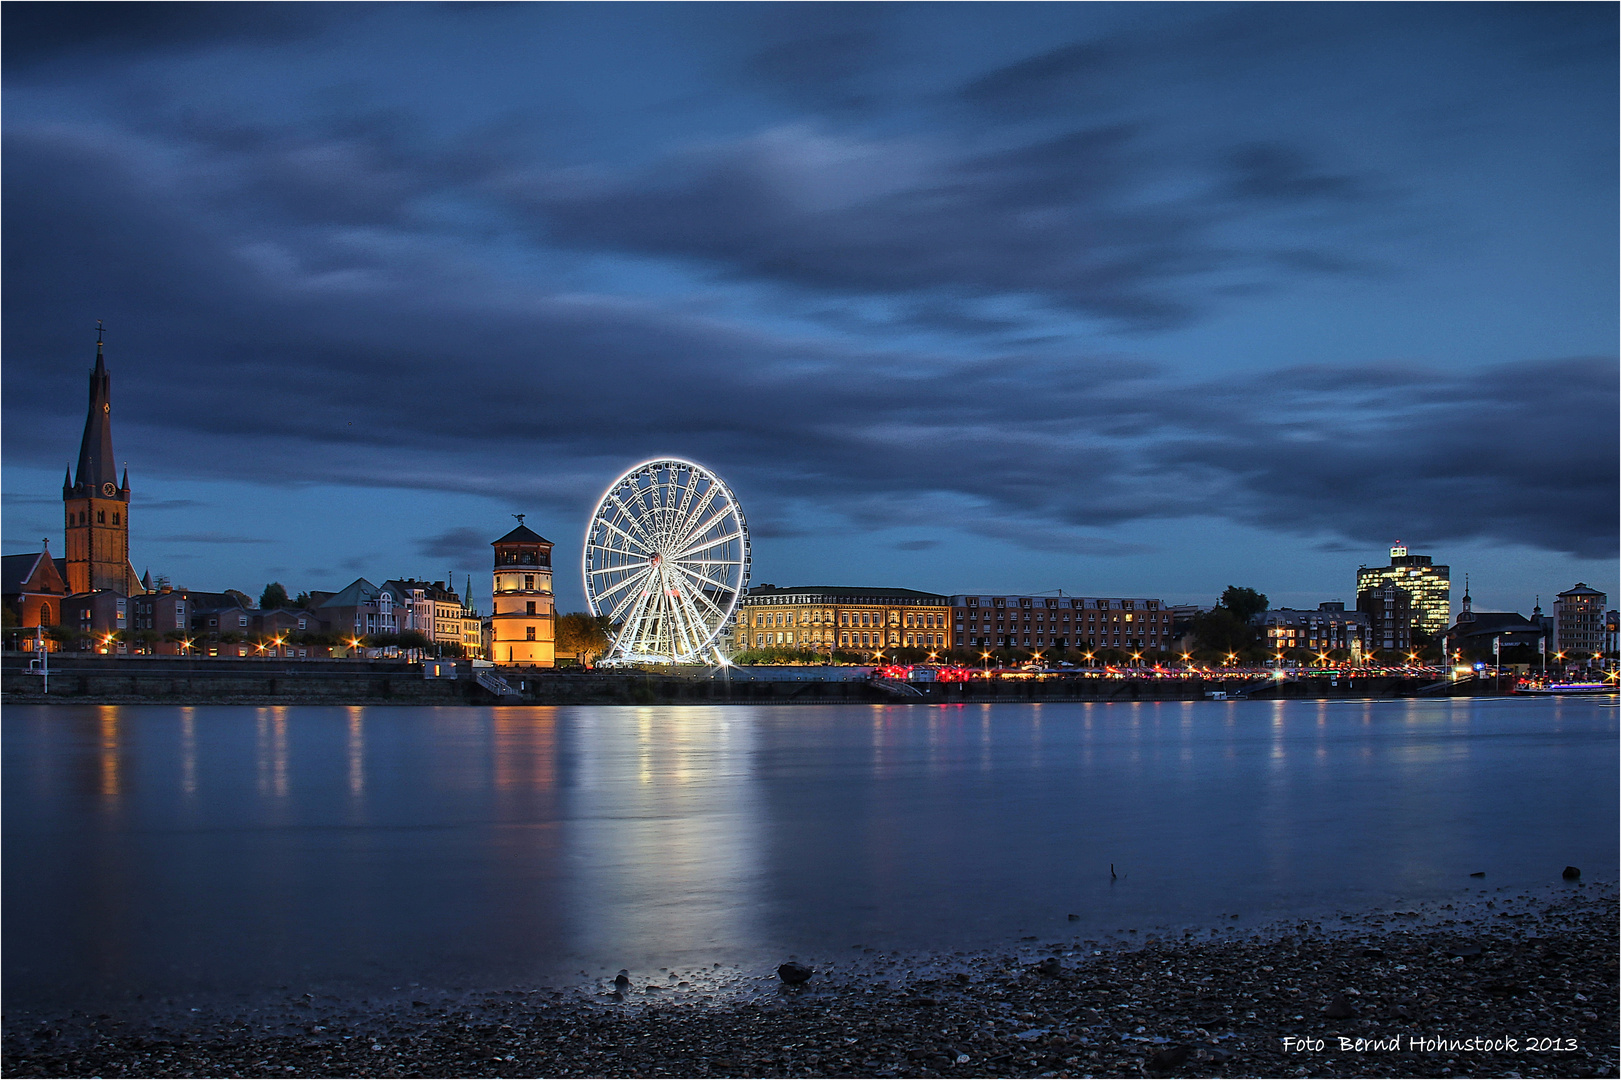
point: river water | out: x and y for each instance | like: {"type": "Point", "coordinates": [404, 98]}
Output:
{"type": "Point", "coordinates": [231, 851]}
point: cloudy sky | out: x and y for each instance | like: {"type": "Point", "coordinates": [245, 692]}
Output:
{"type": "Point", "coordinates": [1118, 299]}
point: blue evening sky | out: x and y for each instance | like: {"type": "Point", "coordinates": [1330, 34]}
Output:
{"type": "Point", "coordinates": [1126, 299]}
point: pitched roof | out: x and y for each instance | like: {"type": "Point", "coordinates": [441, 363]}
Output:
{"type": "Point", "coordinates": [17, 571]}
{"type": "Point", "coordinates": [523, 534]}
{"type": "Point", "coordinates": [1493, 623]}
{"type": "Point", "coordinates": [357, 592]}
{"type": "Point", "coordinates": [853, 593]}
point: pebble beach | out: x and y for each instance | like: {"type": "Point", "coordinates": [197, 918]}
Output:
{"type": "Point", "coordinates": [1494, 983]}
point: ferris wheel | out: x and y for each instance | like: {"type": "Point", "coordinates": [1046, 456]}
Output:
{"type": "Point", "coordinates": [666, 558]}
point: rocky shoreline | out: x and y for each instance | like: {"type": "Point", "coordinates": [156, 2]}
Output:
{"type": "Point", "coordinates": [1497, 983]}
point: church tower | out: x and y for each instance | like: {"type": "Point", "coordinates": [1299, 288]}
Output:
{"type": "Point", "coordinates": [523, 626]}
{"type": "Point", "coordinates": [96, 501]}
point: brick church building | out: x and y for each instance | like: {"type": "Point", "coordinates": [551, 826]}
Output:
{"type": "Point", "coordinates": [88, 587]}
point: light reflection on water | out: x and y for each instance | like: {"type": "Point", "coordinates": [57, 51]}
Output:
{"type": "Point", "coordinates": [210, 849]}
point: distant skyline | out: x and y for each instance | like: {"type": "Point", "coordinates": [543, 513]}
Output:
{"type": "Point", "coordinates": [1110, 298]}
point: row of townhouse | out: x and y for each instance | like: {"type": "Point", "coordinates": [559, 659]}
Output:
{"type": "Point", "coordinates": [219, 624]}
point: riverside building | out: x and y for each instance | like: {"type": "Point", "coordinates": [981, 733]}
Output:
{"type": "Point", "coordinates": [523, 625]}
{"type": "Point", "coordinates": [1428, 585]}
{"type": "Point", "coordinates": [1327, 628]}
{"type": "Point", "coordinates": [1579, 622]}
{"type": "Point", "coordinates": [1065, 622]}
{"type": "Point", "coordinates": [824, 618]}
{"type": "Point", "coordinates": [1390, 611]}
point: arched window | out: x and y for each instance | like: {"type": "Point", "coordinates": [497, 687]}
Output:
{"type": "Point", "coordinates": [45, 615]}
{"type": "Point", "coordinates": [101, 517]}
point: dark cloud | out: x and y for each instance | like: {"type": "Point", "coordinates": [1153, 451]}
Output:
{"type": "Point", "coordinates": [149, 506]}
{"type": "Point", "coordinates": [1046, 80]}
{"type": "Point", "coordinates": [827, 69]}
{"type": "Point", "coordinates": [38, 32]}
{"type": "Point", "coordinates": [292, 305]}
{"type": "Point", "coordinates": [1280, 172]}
{"type": "Point", "coordinates": [1062, 220]}
{"type": "Point", "coordinates": [226, 369]}
{"type": "Point", "coordinates": [210, 538]}
{"type": "Point", "coordinates": [916, 545]}
{"type": "Point", "coordinates": [466, 546]}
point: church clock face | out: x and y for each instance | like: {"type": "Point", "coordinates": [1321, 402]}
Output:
{"type": "Point", "coordinates": [109, 489]}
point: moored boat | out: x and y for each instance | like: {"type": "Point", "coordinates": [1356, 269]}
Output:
{"type": "Point", "coordinates": [1567, 688]}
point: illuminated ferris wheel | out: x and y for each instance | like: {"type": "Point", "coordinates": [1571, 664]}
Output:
{"type": "Point", "coordinates": [666, 558]}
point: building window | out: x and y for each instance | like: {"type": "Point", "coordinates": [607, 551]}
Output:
{"type": "Point", "coordinates": [529, 633]}
{"type": "Point", "coordinates": [529, 608]}
{"type": "Point", "coordinates": [101, 517]}
{"type": "Point", "coordinates": [115, 517]}
{"type": "Point", "coordinates": [529, 581]}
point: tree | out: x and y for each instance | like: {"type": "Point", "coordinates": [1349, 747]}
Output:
{"type": "Point", "coordinates": [242, 599]}
{"type": "Point", "coordinates": [304, 602]}
{"type": "Point", "coordinates": [274, 596]}
{"type": "Point", "coordinates": [1226, 627]}
{"type": "Point", "coordinates": [587, 636]}
{"type": "Point", "coordinates": [1244, 603]}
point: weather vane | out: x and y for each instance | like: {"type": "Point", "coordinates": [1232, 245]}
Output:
{"type": "Point", "coordinates": [520, 518]}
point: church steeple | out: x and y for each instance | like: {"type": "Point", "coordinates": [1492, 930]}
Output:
{"type": "Point", "coordinates": [96, 502]}
{"type": "Point", "coordinates": [97, 467]}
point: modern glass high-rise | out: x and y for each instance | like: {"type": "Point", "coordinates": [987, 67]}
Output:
{"type": "Point", "coordinates": [1430, 586]}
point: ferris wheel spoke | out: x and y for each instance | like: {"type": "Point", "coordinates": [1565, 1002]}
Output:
{"type": "Point", "coordinates": [633, 622]}
{"type": "Point", "coordinates": [693, 541]}
{"type": "Point", "coordinates": [631, 519]}
{"type": "Point", "coordinates": [630, 597]}
{"type": "Point", "coordinates": [694, 635]}
{"type": "Point", "coordinates": [697, 574]}
{"type": "Point", "coordinates": [680, 616]}
{"type": "Point", "coordinates": [640, 545]}
{"type": "Point", "coordinates": [697, 514]}
{"type": "Point", "coordinates": [701, 595]}
{"type": "Point", "coordinates": [625, 582]}
{"type": "Point", "coordinates": [605, 569]}
{"type": "Point", "coordinates": [690, 554]}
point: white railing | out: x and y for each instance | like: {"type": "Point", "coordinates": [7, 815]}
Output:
{"type": "Point", "coordinates": [495, 684]}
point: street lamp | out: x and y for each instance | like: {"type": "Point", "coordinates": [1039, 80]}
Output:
{"type": "Point", "coordinates": [986, 656]}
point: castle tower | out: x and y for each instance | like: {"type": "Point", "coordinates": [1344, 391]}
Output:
{"type": "Point", "coordinates": [522, 619]}
{"type": "Point", "coordinates": [96, 501]}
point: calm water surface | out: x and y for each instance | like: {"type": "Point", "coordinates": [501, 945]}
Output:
{"type": "Point", "coordinates": [232, 850]}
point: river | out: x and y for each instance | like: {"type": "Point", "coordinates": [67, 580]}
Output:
{"type": "Point", "coordinates": [226, 851]}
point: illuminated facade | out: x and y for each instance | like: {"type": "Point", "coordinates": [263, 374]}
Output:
{"type": "Point", "coordinates": [1390, 610]}
{"type": "Point", "coordinates": [1329, 627]}
{"type": "Point", "coordinates": [1064, 622]}
{"type": "Point", "coordinates": [1579, 622]}
{"type": "Point", "coordinates": [1429, 585]}
{"type": "Point", "coordinates": [523, 622]}
{"type": "Point", "coordinates": [822, 618]}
